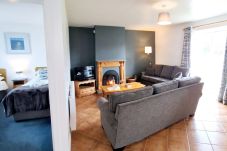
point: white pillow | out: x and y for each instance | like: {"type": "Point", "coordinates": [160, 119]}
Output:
{"type": "Point", "coordinates": [42, 74]}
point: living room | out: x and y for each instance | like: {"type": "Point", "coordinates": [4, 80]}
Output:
{"type": "Point", "coordinates": [120, 62]}
{"type": "Point", "coordinates": [148, 75]}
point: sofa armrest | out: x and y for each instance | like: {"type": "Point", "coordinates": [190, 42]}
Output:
{"type": "Point", "coordinates": [106, 115]}
{"type": "Point", "coordinates": [102, 103]}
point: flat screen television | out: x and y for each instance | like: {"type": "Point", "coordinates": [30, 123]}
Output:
{"type": "Point", "coordinates": [83, 73]}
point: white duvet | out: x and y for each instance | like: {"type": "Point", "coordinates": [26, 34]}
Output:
{"type": "Point", "coordinates": [36, 82]}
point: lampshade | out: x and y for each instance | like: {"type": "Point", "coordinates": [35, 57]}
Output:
{"type": "Point", "coordinates": [164, 18]}
{"type": "Point", "coordinates": [148, 49]}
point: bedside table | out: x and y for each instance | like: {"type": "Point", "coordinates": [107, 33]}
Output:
{"type": "Point", "coordinates": [19, 82]}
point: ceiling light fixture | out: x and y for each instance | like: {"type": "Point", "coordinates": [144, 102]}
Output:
{"type": "Point", "coordinates": [164, 18]}
{"type": "Point", "coordinates": [12, 1]}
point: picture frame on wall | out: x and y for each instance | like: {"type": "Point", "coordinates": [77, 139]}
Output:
{"type": "Point", "coordinates": [18, 43]}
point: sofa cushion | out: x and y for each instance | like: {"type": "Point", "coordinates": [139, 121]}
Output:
{"type": "Point", "coordinates": [177, 69]}
{"type": "Point", "coordinates": [122, 97]}
{"type": "Point", "coordinates": [166, 71]}
{"type": "Point", "coordinates": [150, 71]}
{"type": "Point", "coordinates": [153, 79]}
{"type": "Point", "coordinates": [165, 86]}
{"type": "Point", "coordinates": [157, 69]}
{"type": "Point", "coordinates": [185, 81]}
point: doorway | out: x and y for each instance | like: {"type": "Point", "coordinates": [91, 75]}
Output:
{"type": "Point", "coordinates": [207, 58]}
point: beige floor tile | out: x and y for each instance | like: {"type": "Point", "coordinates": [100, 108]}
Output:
{"type": "Point", "coordinates": [177, 134]}
{"type": "Point", "coordinates": [219, 148]}
{"type": "Point", "coordinates": [195, 125]}
{"type": "Point", "coordinates": [218, 138]}
{"type": "Point", "coordinates": [200, 147]}
{"type": "Point", "coordinates": [196, 136]}
{"type": "Point", "coordinates": [162, 133]}
{"type": "Point", "coordinates": [177, 145]}
{"type": "Point", "coordinates": [213, 126]}
{"type": "Point", "coordinates": [139, 146]}
{"type": "Point", "coordinates": [102, 147]}
{"type": "Point", "coordinates": [82, 143]}
{"type": "Point", "coordinates": [156, 144]}
{"type": "Point", "coordinates": [225, 126]}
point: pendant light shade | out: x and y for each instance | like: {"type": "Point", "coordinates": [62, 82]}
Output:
{"type": "Point", "coordinates": [164, 18]}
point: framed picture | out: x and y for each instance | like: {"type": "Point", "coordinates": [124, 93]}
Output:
{"type": "Point", "coordinates": [18, 43]}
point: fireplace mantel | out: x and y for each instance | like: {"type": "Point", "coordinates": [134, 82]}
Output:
{"type": "Point", "coordinates": [103, 64]}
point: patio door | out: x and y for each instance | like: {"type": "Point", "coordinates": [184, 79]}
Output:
{"type": "Point", "coordinates": [207, 58]}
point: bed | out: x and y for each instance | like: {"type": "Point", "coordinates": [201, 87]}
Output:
{"type": "Point", "coordinates": [29, 101]}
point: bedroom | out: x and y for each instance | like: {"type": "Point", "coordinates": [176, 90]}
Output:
{"type": "Point", "coordinates": [23, 71]}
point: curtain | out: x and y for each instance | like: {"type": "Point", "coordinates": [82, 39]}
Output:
{"type": "Point", "coordinates": [223, 89]}
{"type": "Point", "coordinates": [185, 60]}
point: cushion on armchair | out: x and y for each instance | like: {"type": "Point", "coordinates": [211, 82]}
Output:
{"type": "Point", "coordinates": [122, 97]}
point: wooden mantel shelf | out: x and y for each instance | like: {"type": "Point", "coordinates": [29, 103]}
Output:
{"type": "Point", "coordinates": [103, 64]}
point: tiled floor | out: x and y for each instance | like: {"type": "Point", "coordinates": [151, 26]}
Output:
{"type": "Point", "coordinates": [207, 131]}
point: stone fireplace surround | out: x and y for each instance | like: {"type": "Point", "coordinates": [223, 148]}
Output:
{"type": "Point", "coordinates": [104, 64]}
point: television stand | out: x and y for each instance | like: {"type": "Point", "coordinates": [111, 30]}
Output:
{"type": "Point", "coordinates": [84, 88]}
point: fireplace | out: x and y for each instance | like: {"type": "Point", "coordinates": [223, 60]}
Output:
{"type": "Point", "coordinates": [110, 77]}
{"type": "Point", "coordinates": [108, 64]}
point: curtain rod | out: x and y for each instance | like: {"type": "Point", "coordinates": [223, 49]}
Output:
{"type": "Point", "coordinates": [209, 24]}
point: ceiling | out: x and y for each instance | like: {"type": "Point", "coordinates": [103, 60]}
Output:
{"type": "Point", "coordinates": [21, 13]}
{"type": "Point", "coordinates": [22, 1]}
{"type": "Point", "coordinates": [140, 14]}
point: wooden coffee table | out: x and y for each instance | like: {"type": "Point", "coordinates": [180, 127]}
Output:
{"type": "Point", "coordinates": [122, 87]}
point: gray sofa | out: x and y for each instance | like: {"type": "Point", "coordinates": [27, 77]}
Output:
{"type": "Point", "coordinates": [128, 117]}
{"type": "Point", "coordinates": [162, 73]}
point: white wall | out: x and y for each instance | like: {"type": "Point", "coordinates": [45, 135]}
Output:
{"type": "Point", "coordinates": [58, 62]}
{"type": "Point", "coordinates": [169, 40]}
{"type": "Point", "coordinates": [24, 18]}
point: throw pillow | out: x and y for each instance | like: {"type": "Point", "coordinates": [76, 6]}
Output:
{"type": "Point", "coordinates": [166, 71]}
{"type": "Point", "coordinates": [165, 86]}
{"type": "Point", "coordinates": [178, 76]}
{"type": "Point", "coordinates": [185, 81]}
{"type": "Point", "coordinates": [158, 69]}
{"type": "Point", "coordinates": [123, 97]}
{"type": "Point", "coordinates": [179, 69]}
